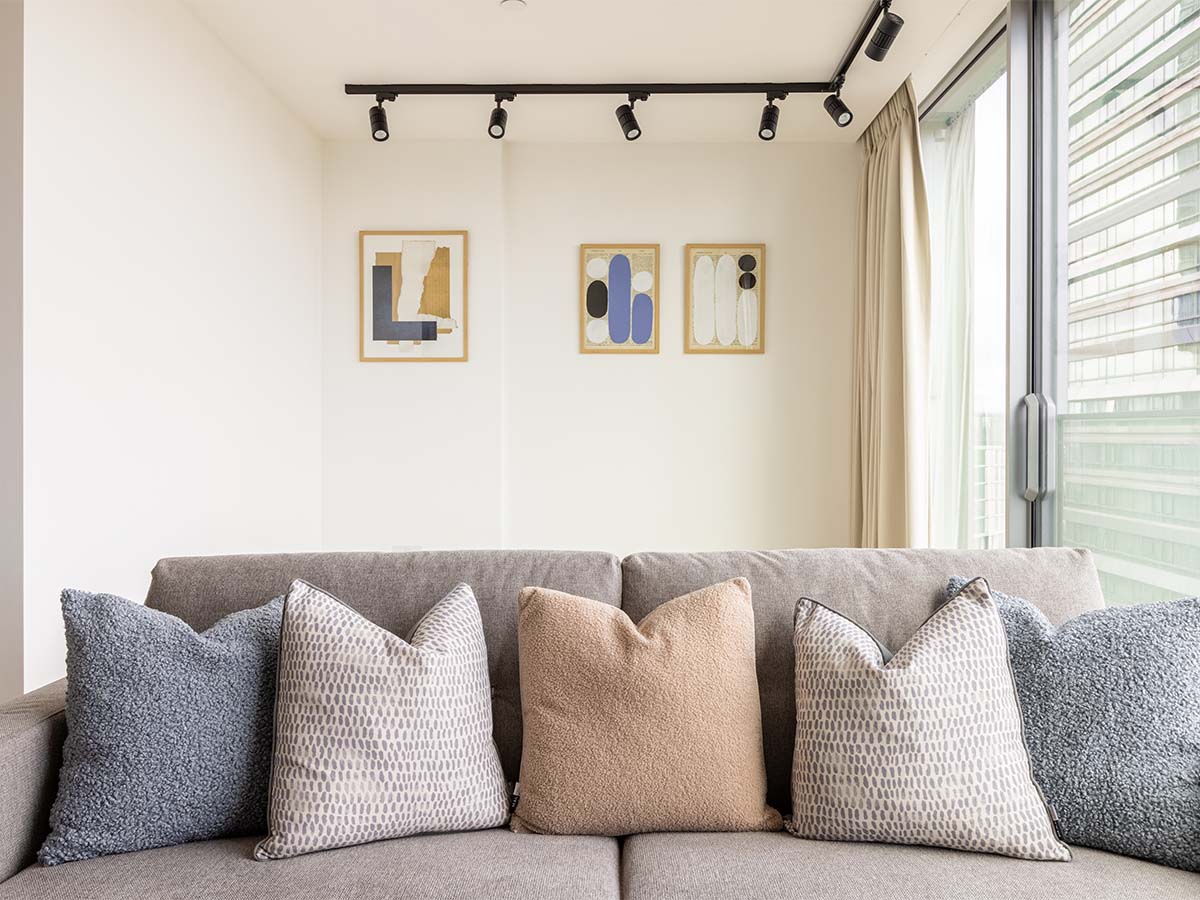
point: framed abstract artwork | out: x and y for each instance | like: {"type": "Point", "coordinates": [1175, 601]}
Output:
{"type": "Point", "coordinates": [724, 307]}
{"type": "Point", "coordinates": [412, 296]}
{"type": "Point", "coordinates": [618, 298]}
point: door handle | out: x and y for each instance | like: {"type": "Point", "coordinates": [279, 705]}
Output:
{"type": "Point", "coordinates": [1039, 424]}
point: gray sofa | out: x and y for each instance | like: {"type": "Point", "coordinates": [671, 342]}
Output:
{"type": "Point", "coordinates": [889, 591]}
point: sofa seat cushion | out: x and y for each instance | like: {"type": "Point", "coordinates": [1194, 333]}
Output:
{"type": "Point", "coordinates": [494, 864]}
{"type": "Point", "coordinates": [776, 866]}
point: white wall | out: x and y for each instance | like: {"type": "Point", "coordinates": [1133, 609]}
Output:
{"type": "Point", "coordinates": [412, 450]}
{"type": "Point", "coordinates": [533, 444]}
{"type": "Point", "coordinates": [191, 373]}
{"type": "Point", "coordinates": [680, 451]}
{"type": "Point", "coordinates": [11, 94]}
{"type": "Point", "coordinates": [172, 314]}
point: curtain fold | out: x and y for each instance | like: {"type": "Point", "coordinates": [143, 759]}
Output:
{"type": "Point", "coordinates": [889, 416]}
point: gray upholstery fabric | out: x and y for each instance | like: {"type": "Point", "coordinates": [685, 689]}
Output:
{"type": "Point", "coordinates": [168, 731]}
{"type": "Point", "coordinates": [32, 730]}
{"type": "Point", "coordinates": [1111, 702]}
{"type": "Point", "coordinates": [376, 736]}
{"type": "Point", "coordinates": [888, 592]}
{"type": "Point", "coordinates": [780, 867]}
{"type": "Point", "coordinates": [495, 864]}
{"type": "Point", "coordinates": [393, 590]}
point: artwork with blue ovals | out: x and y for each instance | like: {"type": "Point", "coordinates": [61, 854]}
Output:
{"type": "Point", "coordinates": [618, 298]}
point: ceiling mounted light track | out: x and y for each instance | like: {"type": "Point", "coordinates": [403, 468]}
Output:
{"type": "Point", "coordinates": [880, 24]}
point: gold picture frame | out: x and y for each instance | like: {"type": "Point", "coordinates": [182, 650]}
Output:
{"type": "Point", "coordinates": [595, 332]}
{"type": "Point", "coordinates": [449, 318]}
{"type": "Point", "coordinates": [725, 312]}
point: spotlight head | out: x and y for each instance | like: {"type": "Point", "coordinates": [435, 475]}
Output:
{"type": "Point", "coordinates": [629, 122]}
{"type": "Point", "coordinates": [498, 122]}
{"type": "Point", "coordinates": [379, 123]}
{"type": "Point", "coordinates": [885, 33]}
{"type": "Point", "coordinates": [769, 122]}
{"type": "Point", "coordinates": [627, 119]}
{"type": "Point", "coordinates": [838, 111]}
{"type": "Point", "coordinates": [768, 125]}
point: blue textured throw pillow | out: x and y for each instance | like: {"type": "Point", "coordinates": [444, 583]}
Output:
{"type": "Point", "coordinates": [168, 731]}
{"type": "Point", "coordinates": [1111, 703]}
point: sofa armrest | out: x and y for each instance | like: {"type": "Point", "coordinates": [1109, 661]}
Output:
{"type": "Point", "coordinates": [32, 729]}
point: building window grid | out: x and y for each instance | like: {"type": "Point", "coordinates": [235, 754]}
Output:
{"type": "Point", "coordinates": [1128, 143]}
{"type": "Point", "coordinates": [1086, 40]}
{"type": "Point", "coordinates": [1168, 71]}
{"type": "Point", "coordinates": [1157, 317]}
{"type": "Point", "coordinates": [1180, 260]}
{"type": "Point", "coordinates": [1175, 213]}
{"type": "Point", "coordinates": [1147, 37]}
{"type": "Point", "coordinates": [1170, 165]}
{"type": "Point", "coordinates": [990, 478]}
{"type": "Point", "coordinates": [1127, 367]}
{"type": "Point", "coordinates": [1153, 458]}
{"type": "Point", "coordinates": [1158, 402]}
{"type": "Point", "coordinates": [1134, 547]}
{"type": "Point", "coordinates": [1105, 498]}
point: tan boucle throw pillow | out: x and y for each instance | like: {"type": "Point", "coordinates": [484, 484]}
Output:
{"type": "Point", "coordinates": [636, 728]}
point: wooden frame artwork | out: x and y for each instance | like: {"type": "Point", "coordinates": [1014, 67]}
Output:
{"type": "Point", "coordinates": [412, 296]}
{"type": "Point", "coordinates": [725, 303]}
{"type": "Point", "coordinates": [619, 302]}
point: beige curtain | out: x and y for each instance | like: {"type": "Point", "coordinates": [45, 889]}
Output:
{"type": "Point", "coordinates": [890, 453]}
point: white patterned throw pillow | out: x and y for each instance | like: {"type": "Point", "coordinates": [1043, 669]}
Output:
{"type": "Point", "coordinates": [377, 737]}
{"type": "Point", "coordinates": [924, 748]}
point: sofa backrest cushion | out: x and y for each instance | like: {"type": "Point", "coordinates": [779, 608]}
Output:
{"type": "Point", "coordinates": [394, 590]}
{"type": "Point", "coordinates": [888, 592]}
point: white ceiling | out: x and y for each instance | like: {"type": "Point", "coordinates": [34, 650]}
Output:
{"type": "Point", "coordinates": [305, 50]}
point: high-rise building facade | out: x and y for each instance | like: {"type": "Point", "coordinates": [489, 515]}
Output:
{"type": "Point", "coordinates": [1129, 457]}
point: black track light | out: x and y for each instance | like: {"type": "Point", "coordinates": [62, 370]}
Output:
{"type": "Point", "coordinates": [379, 122]}
{"type": "Point", "coordinates": [379, 126]}
{"type": "Point", "coordinates": [838, 111]}
{"type": "Point", "coordinates": [769, 122]}
{"type": "Point", "coordinates": [498, 122]}
{"type": "Point", "coordinates": [768, 125]}
{"type": "Point", "coordinates": [629, 122]}
{"type": "Point", "coordinates": [881, 41]}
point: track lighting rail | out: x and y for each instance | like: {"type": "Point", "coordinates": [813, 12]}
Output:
{"type": "Point", "coordinates": [880, 25]}
{"type": "Point", "coordinates": [699, 87]}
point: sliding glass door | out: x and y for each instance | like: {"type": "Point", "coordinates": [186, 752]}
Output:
{"type": "Point", "coordinates": [1117, 316]}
